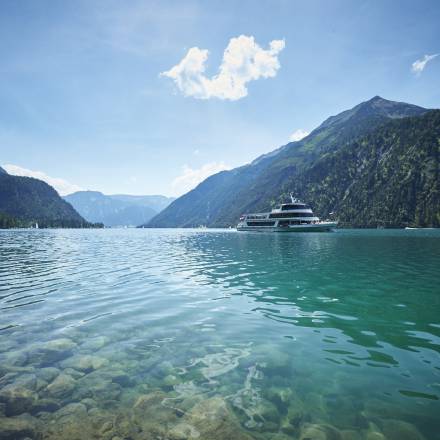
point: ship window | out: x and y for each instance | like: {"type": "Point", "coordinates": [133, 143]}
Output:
{"type": "Point", "coordinates": [256, 216]}
{"type": "Point", "coordinates": [260, 223]}
{"type": "Point", "coordinates": [294, 206]}
{"type": "Point", "coordinates": [291, 214]}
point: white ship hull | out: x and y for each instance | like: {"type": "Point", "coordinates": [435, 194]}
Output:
{"type": "Point", "coordinates": [317, 227]}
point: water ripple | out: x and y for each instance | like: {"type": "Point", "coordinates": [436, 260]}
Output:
{"type": "Point", "coordinates": [345, 309]}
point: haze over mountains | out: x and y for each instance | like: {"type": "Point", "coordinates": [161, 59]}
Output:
{"type": "Point", "coordinates": [374, 165]}
{"type": "Point", "coordinates": [119, 209]}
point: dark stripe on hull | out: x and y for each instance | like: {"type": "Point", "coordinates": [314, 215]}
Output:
{"type": "Point", "coordinates": [313, 228]}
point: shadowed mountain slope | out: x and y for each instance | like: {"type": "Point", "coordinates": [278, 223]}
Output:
{"type": "Point", "coordinates": [25, 201]}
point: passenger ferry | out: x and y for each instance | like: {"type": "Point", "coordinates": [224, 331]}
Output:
{"type": "Point", "coordinates": [289, 217]}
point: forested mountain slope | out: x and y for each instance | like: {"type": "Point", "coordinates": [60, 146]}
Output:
{"type": "Point", "coordinates": [390, 177]}
{"type": "Point", "coordinates": [222, 198]}
{"type": "Point", "coordinates": [25, 201]}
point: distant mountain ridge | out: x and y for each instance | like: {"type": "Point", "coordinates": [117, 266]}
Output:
{"type": "Point", "coordinates": [117, 210]}
{"type": "Point", "coordinates": [25, 201]}
{"type": "Point", "coordinates": [155, 202]}
{"type": "Point", "coordinates": [222, 198]}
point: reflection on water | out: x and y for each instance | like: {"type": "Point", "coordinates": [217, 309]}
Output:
{"type": "Point", "coordinates": [180, 334]}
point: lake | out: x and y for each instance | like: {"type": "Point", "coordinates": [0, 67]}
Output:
{"type": "Point", "coordinates": [213, 334]}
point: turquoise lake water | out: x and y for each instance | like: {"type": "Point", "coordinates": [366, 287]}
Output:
{"type": "Point", "coordinates": [214, 334]}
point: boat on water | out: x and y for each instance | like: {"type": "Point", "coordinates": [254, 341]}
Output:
{"type": "Point", "coordinates": [288, 217]}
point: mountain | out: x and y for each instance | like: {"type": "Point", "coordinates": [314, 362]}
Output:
{"type": "Point", "coordinates": [155, 202]}
{"type": "Point", "coordinates": [116, 210]}
{"type": "Point", "coordinates": [2, 171]}
{"type": "Point", "coordinates": [220, 199]}
{"type": "Point", "coordinates": [387, 178]}
{"type": "Point", "coordinates": [25, 201]}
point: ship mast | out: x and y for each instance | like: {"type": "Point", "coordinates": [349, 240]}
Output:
{"type": "Point", "coordinates": [293, 199]}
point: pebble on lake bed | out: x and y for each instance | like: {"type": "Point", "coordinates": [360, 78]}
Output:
{"type": "Point", "coordinates": [17, 399]}
{"type": "Point", "coordinates": [319, 432]}
{"type": "Point", "coordinates": [85, 363]}
{"type": "Point", "coordinates": [22, 427]}
{"type": "Point", "coordinates": [48, 374]}
{"type": "Point", "coordinates": [61, 386]}
{"type": "Point", "coordinates": [400, 430]}
{"type": "Point", "coordinates": [375, 435]}
{"type": "Point", "coordinates": [50, 352]}
{"type": "Point", "coordinates": [209, 419]}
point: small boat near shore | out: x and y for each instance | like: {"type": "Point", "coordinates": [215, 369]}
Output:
{"type": "Point", "coordinates": [288, 217]}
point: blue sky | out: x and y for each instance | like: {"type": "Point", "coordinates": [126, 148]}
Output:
{"type": "Point", "coordinates": [82, 97]}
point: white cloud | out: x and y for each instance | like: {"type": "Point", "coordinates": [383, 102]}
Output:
{"type": "Point", "coordinates": [190, 177]}
{"type": "Point", "coordinates": [62, 186]}
{"type": "Point", "coordinates": [243, 61]}
{"type": "Point", "coordinates": [298, 134]}
{"type": "Point", "coordinates": [419, 65]}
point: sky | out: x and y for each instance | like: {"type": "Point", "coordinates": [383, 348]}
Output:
{"type": "Point", "coordinates": [151, 97]}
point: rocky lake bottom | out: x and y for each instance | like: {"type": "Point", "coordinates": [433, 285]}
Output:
{"type": "Point", "coordinates": [186, 334]}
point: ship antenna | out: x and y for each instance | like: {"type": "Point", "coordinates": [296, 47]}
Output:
{"type": "Point", "coordinates": [292, 198]}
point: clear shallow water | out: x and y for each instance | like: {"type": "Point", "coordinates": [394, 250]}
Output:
{"type": "Point", "coordinates": [184, 334]}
